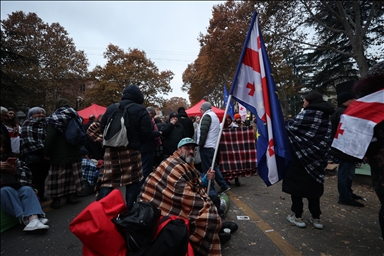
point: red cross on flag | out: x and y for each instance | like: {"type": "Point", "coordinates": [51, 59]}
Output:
{"type": "Point", "coordinates": [253, 86]}
{"type": "Point", "coordinates": [355, 130]}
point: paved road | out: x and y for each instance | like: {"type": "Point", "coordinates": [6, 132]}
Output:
{"type": "Point", "coordinates": [348, 230]}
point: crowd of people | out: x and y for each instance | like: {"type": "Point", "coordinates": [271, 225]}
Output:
{"type": "Point", "coordinates": [159, 164]}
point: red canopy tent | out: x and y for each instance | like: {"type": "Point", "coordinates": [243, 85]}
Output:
{"type": "Point", "coordinates": [94, 109]}
{"type": "Point", "coordinates": [195, 110]}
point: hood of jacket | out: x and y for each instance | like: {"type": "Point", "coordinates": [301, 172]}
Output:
{"type": "Point", "coordinates": [62, 103]}
{"type": "Point", "coordinates": [133, 93]}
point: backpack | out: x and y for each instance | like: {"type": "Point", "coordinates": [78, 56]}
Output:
{"type": "Point", "coordinates": [74, 133]}
{"type": "Point", "coordinates": [171, 239]}
{"type": "Point", "coordinates": [115, 132]}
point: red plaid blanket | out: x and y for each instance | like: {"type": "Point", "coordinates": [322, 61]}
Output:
{"type": "Point", "coordinates": [238, 153]}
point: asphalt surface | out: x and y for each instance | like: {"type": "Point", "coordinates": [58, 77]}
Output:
{"type": "Point", "coordinates": [260, 212]}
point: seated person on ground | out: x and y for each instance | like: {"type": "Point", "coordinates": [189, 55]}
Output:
{"type": "Point", "coordinates": [17, 196]}
{"type": "Point", "coordinates": [177, 189]}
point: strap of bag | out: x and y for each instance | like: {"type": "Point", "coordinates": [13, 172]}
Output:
{"type": "Point", "coordinates": [125, 111]}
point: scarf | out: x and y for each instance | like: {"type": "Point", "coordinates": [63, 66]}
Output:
{"type": "Point", "coordinates": [61, 117]}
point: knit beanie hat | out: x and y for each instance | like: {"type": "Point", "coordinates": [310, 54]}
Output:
{"type": "Point", "coordinates": [181, 110]}
{"type": "Point", "coordinates": [205, 106]}
{"type": "Point", "coordinates": [344, 96]}
{"type": "Point", "coordinates": [173, 114]}
{"type": "Point", "coordinates": [237, 116]}
{"type": "Point", "coordinates": [314, 97]}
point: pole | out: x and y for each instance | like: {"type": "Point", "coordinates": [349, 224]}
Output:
{"type": "Point", "coordinates": [218, 140]}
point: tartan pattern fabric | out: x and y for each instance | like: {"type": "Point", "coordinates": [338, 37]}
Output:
{"type": "Point", "coordinates": [121, 167]}
{"type": "Point", "coordinates": [61, 117]}
{"type": "Point", "coordinates": [23, 173]}
{"type": "Point", "coordinates": [309, 134]}
{"type": "Point", "coordinates": [238, 153]}
{"type": "Point", "coordinates": [33, 134]}
{"type": "Point", "coordinates": [176, 189]}
{"type": "Point", "coordinates": [89, 171]}
{"type": "Point", "coordinates": [94, 132]}
{"type": "Point", "coordinates": [64, 180]}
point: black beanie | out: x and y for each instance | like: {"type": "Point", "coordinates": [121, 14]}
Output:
{"type": "Point", "coordinates": [181, 110]}
{"type": "Point", "coordinates": [344, 96]}
{"type": "Point", "coordinates": [314, 97]}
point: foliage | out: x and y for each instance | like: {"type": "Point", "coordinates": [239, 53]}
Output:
{"type": "Point", "coordinates": [40, 62]}
{"type": "Point", "coordinates": [173, 104]}
{"type": "Point", "coordinates": [125, 68]}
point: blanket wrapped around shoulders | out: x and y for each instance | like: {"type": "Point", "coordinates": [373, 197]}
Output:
{"type": "Point", "coordinates": [176, 189]}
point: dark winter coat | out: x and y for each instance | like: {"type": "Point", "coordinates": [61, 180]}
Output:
{"type": "Point", "coordinates": [171, 134]}
{"type": "Point", "coordinates": [187, 124]}
{"type": "Point", "coordinates": [140, 125]}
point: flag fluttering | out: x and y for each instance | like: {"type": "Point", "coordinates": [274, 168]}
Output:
{"type": "Point", "coordinates": [355, 130]}
{"type": "Point", "coordinates": [231, 110]}
{"type": "Point", "coordinates": [253, 86]}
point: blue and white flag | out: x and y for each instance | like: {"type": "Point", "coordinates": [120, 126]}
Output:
{"type": "Point", "coordinates": [253, 86]}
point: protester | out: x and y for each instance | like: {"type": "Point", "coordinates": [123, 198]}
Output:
{"type": "Point", "coordinates": [196, 126]}
{"type": "Point", "coordinates": [19, 199]}
{"type": "Point", "coordinates": [172, 132]}
{"type": "Point", "coordinates": [177, 189]}
{"type": "Point", "coordinates": [346, 169]}
{"type": "Point", "coordinates": [207, 136]}
{"type": "Point", "coordinates": [64, 176]}
{"type": "Point", "coordinates": [159, 156]}
{"type": "Point", "coordinates": [186, 122]}
{"type": "Point", "coordinates": [95, 140]}
{"type": "Point", "coordinates": [238, 120]}
{"type": "Point", "coordinates": [368, 86]}
{"type": "Point", "coordinates": [4, 130]}
{"type": "Point", "coordinates": [33, 132]}
{"type": "Point", "coordinates": [122, 166]}
{"type": "Point", "coordinates": [14, 131]}
{"type": "Point", "coordinates": [148, 148]}
{"type": "Point", "coordinates": [309, 134]}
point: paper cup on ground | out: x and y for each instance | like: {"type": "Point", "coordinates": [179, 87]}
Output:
{"type": "Point", "coordinates": [227, 230]}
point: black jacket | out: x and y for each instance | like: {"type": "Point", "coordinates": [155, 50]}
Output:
{"type": "Point", "coordinates": [172, 134]}
{"type": "Point", "coordinates": [187, 124]}
{"type": "Point", "coordinates": [140, 125]}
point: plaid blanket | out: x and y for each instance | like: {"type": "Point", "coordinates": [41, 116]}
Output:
{"type": "Point", "coordinates": [176, 189]}
{"type": "Point", "coordinates": [33, 135]}
{"type": "Point", "coordinates": [61, 117]}
{"type": "Point", "coordinates": [309, 134]}
{"type": "Point", "coordinates": [238, 152]}
{"type": "Point", "coordinates": [94, 132]}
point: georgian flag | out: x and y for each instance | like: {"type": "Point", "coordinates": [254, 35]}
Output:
{"type": "Point", "coordinates": [355, 130]}
{"type": "Point", "coordinates": [253, 86]}
{"type": "Point", "coordinates": [242, 112]}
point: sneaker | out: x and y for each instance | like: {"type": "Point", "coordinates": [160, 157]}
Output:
{"type": "Point", "coordinates": [34, 225]}
{"type": "Point", "coordinates": [43, 220]}
{"type": "Point", "coordinates": [223, 190]}
{"type": "Point", "coordinates": [351, 203]}
{"type": "Point", "coordinates": [297, 221]}
{"type": "Point", "coordinates": [317, 223]}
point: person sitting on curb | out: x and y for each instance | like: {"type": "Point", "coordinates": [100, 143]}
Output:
{"type": "Point", "coordinates": [17, 196]}
{"type": "Point", "coordinates": [177, 189]}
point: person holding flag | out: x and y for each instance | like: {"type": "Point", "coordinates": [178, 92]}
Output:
{"type": "Point", "coordinates": [309, 134]}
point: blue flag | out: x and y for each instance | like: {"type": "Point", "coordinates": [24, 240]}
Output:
{"type": "Point", "coordinates": [231, 110]}
{"type": "Point", "coordinates": [253, 86]}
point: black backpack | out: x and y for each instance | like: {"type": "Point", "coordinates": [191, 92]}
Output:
{"type": "Point", "coordinates": [74, 133]}
{"type": "Point", "coordinates": [115, 133]}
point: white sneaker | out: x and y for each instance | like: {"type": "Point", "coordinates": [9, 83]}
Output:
{"type": "Point", "coordinates": [297, 221]}
{"type": "Point", "coordinates": [43, 220]}
{"type": "Point", "coordinates": [317, 223]}
{"type": "Point", "coordinates": [34, 225]}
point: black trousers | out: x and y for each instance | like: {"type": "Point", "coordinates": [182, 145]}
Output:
{"type": "Point", "coordinates": [40, 173]}
{"type": "Point", "coordinates": [313, 206]}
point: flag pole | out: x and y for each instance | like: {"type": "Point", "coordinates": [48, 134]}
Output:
{"type": "Point", "coordinates": [218, 140]}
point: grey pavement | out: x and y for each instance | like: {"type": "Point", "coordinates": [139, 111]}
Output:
{"type": "Point", "coordinates": [347, 230]}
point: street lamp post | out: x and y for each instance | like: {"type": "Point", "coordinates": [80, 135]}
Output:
{"type": "Point", "coordinates": [78, 100]}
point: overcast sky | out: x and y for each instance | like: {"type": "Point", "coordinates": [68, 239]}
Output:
{"type": "Point", "coordinates": [166, 31]}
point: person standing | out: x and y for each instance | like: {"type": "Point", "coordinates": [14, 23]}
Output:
{"type": "Point", "coordinates": [122, 166]}
{"type": "Point", "coordinates": [207, 136]}
{"type": "Point", "coordinates": [346, 169]}
{"type": "Point", "coordinates": [186, 122]}
{"type": "Point", "coordinates": [148, 148]}
{"type": "Point", "coordinates": [64, 176]}
{"type": "Point", "coordinates": [309, 134]}
{"type": "Point", "coordinates": [33, 132]}
{"type": "Point", "coordinates": [172, 132]}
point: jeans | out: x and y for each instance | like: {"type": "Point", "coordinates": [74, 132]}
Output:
{"type": "Point", "coordinates": [345, 175]}
{"type": "Point", "coordinates": [147, 163]}
{"type": "Point", "coordinates": [206, 155]}
{"type": "Point", "coordinates": [313, 206]}
{"type": "Point", "coordinates": [21, 202]}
